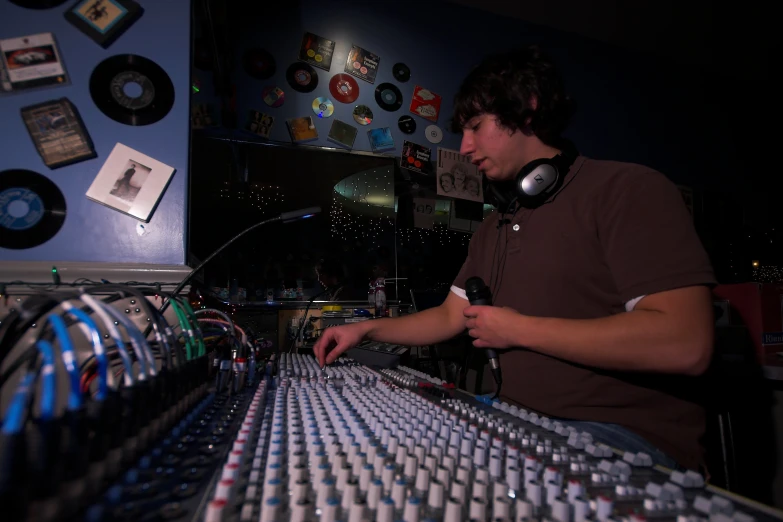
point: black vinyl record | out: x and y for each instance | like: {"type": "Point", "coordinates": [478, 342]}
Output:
{"type": "Point", "coordinates": [259, 64]}
{"type": "Point", "coordinates": [38, 4]}
{"type": "Point", "coordinates": [301, 77]}
{"type": "Point", "coordinates": [112, 83]}
{"type": "Point", "coordinates": [407, 124]}
{"type": "Point", "coordinates": [32, 209]}
{"type": "Point", "coordinates": [401, 72]}
{"type": "Point", "coordinates": [202, 55]}
{"type": "Point", "coordinates": [388, 96]}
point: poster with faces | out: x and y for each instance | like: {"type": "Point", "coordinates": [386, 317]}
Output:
{"type": "Point", "coordinates": [457, 177]}
{"type": "Point", "coordinates": [423, 212]}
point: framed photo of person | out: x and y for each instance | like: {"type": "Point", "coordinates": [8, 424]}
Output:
{"type": "Point", "coordinates": [130, 182]}
{"type": "Point", "coordinates": [458, 177]}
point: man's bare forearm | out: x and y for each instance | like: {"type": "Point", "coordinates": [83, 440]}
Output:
{"type": "Point", "coordinates": [427, 327]}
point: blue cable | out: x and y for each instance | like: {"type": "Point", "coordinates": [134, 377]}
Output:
{"type": "Point", "coordinates": [49, 383]}
{"type": "Point", "coordinates": [15, 414]}
{"type": "Point", "coordinates": [97, 348]}
{"type": "Point", "coordinates": [99, 309]}
{"type": "Point", "coordinates": [69, 359]}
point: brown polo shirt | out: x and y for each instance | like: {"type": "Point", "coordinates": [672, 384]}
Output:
{"type": "Point", "coordinates": [615, 232]}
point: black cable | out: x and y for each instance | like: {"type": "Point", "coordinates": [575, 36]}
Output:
{"type": "Point", "coordinates": [193, 272]}
{"type": "Point", "coordinates": [304, 320]}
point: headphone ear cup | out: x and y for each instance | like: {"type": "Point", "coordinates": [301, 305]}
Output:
{"type": "Point", "coordinates": [535, 182]}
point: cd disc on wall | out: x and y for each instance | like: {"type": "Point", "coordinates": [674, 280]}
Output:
{"type": "Point", "coordinates": [407, 124]}
{"type": "Point", "coordinates": [344, 88]}
{"type": "Point", "coordinates": [388, 96]}
{"type": "Point", "coordinates": [323, 107]}
{"type": "Point", "coordinates": [362, 114]}
{"type": "Point", "coordinates": [273, 96]}
{"type": "Point", "coordinates": [301, 77]}
{"type": "Point", "coordinates": [433, 134]}
{"type": "Point", "coordinates": [131, 89]}
{"type": "Point", "coordinates": [32, 209]}
{"type": "Point", "coordinates": [401, 72]}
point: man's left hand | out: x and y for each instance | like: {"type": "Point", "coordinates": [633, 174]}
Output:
{"type": "Point", "coordinates": [493, 327]}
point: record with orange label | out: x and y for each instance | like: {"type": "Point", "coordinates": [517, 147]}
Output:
{"type": "Point", "coordinates": [301, 77]}
{"type": "Point", "coordinates": [344, 88]}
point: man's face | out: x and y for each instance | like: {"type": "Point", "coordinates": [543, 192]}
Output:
{"type": "Point", "coordinates": [492, 147]}
{"type": "Point", "coordinates": [446, 184]}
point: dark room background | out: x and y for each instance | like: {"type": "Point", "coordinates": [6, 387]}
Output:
{"type": "Point", "coordinates": [697, 114]}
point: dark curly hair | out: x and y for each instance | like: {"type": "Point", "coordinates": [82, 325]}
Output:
{"type": "Point", "coordinates": [504, 84]}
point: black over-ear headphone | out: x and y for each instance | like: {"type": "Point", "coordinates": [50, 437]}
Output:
{"type": "Point", "coordinates": [535, 183]}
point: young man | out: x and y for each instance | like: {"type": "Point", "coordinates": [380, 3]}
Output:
{"type": "Point", "coordinates": [601, 290]}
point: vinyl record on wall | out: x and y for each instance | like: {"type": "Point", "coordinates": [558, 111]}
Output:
{"type": "Point", "coordinates": [258, 63]}
{"type": "Point", "coordinates": [388, 97]}
{"type": "Point", "coordinates": [202, 55]}
{"type": "Point", "coordinates": [32, 209]}
{"type": "Point", "coordinates": [112, 83]}
{"type": "Point", "coordinates": [301, 77]}
{"type": "Point", "coordinates": [401, 72]}
{"type": "Point", "coordinates": [344, 88]}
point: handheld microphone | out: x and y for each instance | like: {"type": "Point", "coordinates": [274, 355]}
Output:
{"type": "Point", "coordinates": [479, 294]}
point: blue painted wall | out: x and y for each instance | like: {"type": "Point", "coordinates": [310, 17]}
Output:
{"type": "Point", "coordinates": [633, 107]}
{"type": "Point", "coordinates": [92, 232]}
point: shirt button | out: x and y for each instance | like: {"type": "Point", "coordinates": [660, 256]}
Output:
{"type": "Point", "coordinates": [515, 227]}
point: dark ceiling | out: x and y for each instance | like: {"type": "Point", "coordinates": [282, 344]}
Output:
{"type": "Point", "coordinates": [704, 33]}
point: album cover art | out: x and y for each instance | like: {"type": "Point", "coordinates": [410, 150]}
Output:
{"type": "Point", "coordinates": [423, 212]}
{"type": "Point", "coordinates": [342, 133]}
{"type": "Point", "coordinates": [302, 129]}
{"type": "Point", "coordinates": [30, 61]}
{"type": "Point", "coordinates": [201, 116]}
{"type": "Point", "coordinates": [104, 20]}
{"type": "Point", "coordinates": [381, 139]}
{"type": "Point", "coordinates": [260, 123]}
{"type": "Point", "coordinates": [317, 51]}
{"type": "Point", "coordinates": [58, 133]}
{"type": "Point", "coordinates": [130, 182]}
{"type": "Point", "coordinates": [425, 103]}
{"type": "Point", "coordinates": [457, 176]}
{"type": "Point", "coordinates": [416, 157]}
{"type": "Point", "coordinates": [362, 63]}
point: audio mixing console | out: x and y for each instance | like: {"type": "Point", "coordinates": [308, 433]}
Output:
{"type": "Point", "coordinates": [349, 443]}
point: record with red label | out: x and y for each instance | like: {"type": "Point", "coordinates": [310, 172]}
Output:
{"type": "Point", "coordinates": [258, 63]}
{"type": "Point", "coordinates": [344, 88]}
{"type": "Point", "coordinates": [301, 77]}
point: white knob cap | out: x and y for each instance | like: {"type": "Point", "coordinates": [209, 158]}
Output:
{"type": "Point", "coordinates": [478, 509]}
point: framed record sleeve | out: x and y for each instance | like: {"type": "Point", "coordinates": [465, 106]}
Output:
{"type": "Point", "coordinates": [104, 20]}
{"type": "Point", "coordinates": [130, 182]}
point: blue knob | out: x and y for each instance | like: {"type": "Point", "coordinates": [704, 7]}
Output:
{"type": "Point", "coordinates": [114, 495]}
{"type": "Point", "coordinates": [132, 476]}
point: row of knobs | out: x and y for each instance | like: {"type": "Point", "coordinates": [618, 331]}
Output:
{"type": "Point", "coordinates": [398, 446]}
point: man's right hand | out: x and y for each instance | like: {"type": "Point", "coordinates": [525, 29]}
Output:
{"type": "Point", "coordinates": [337, 339]}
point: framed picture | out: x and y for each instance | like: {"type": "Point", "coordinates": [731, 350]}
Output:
{"type": "Point", "coordinates": [104, 20]}
{"type": "Point", "coordinates": [130, 182]}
